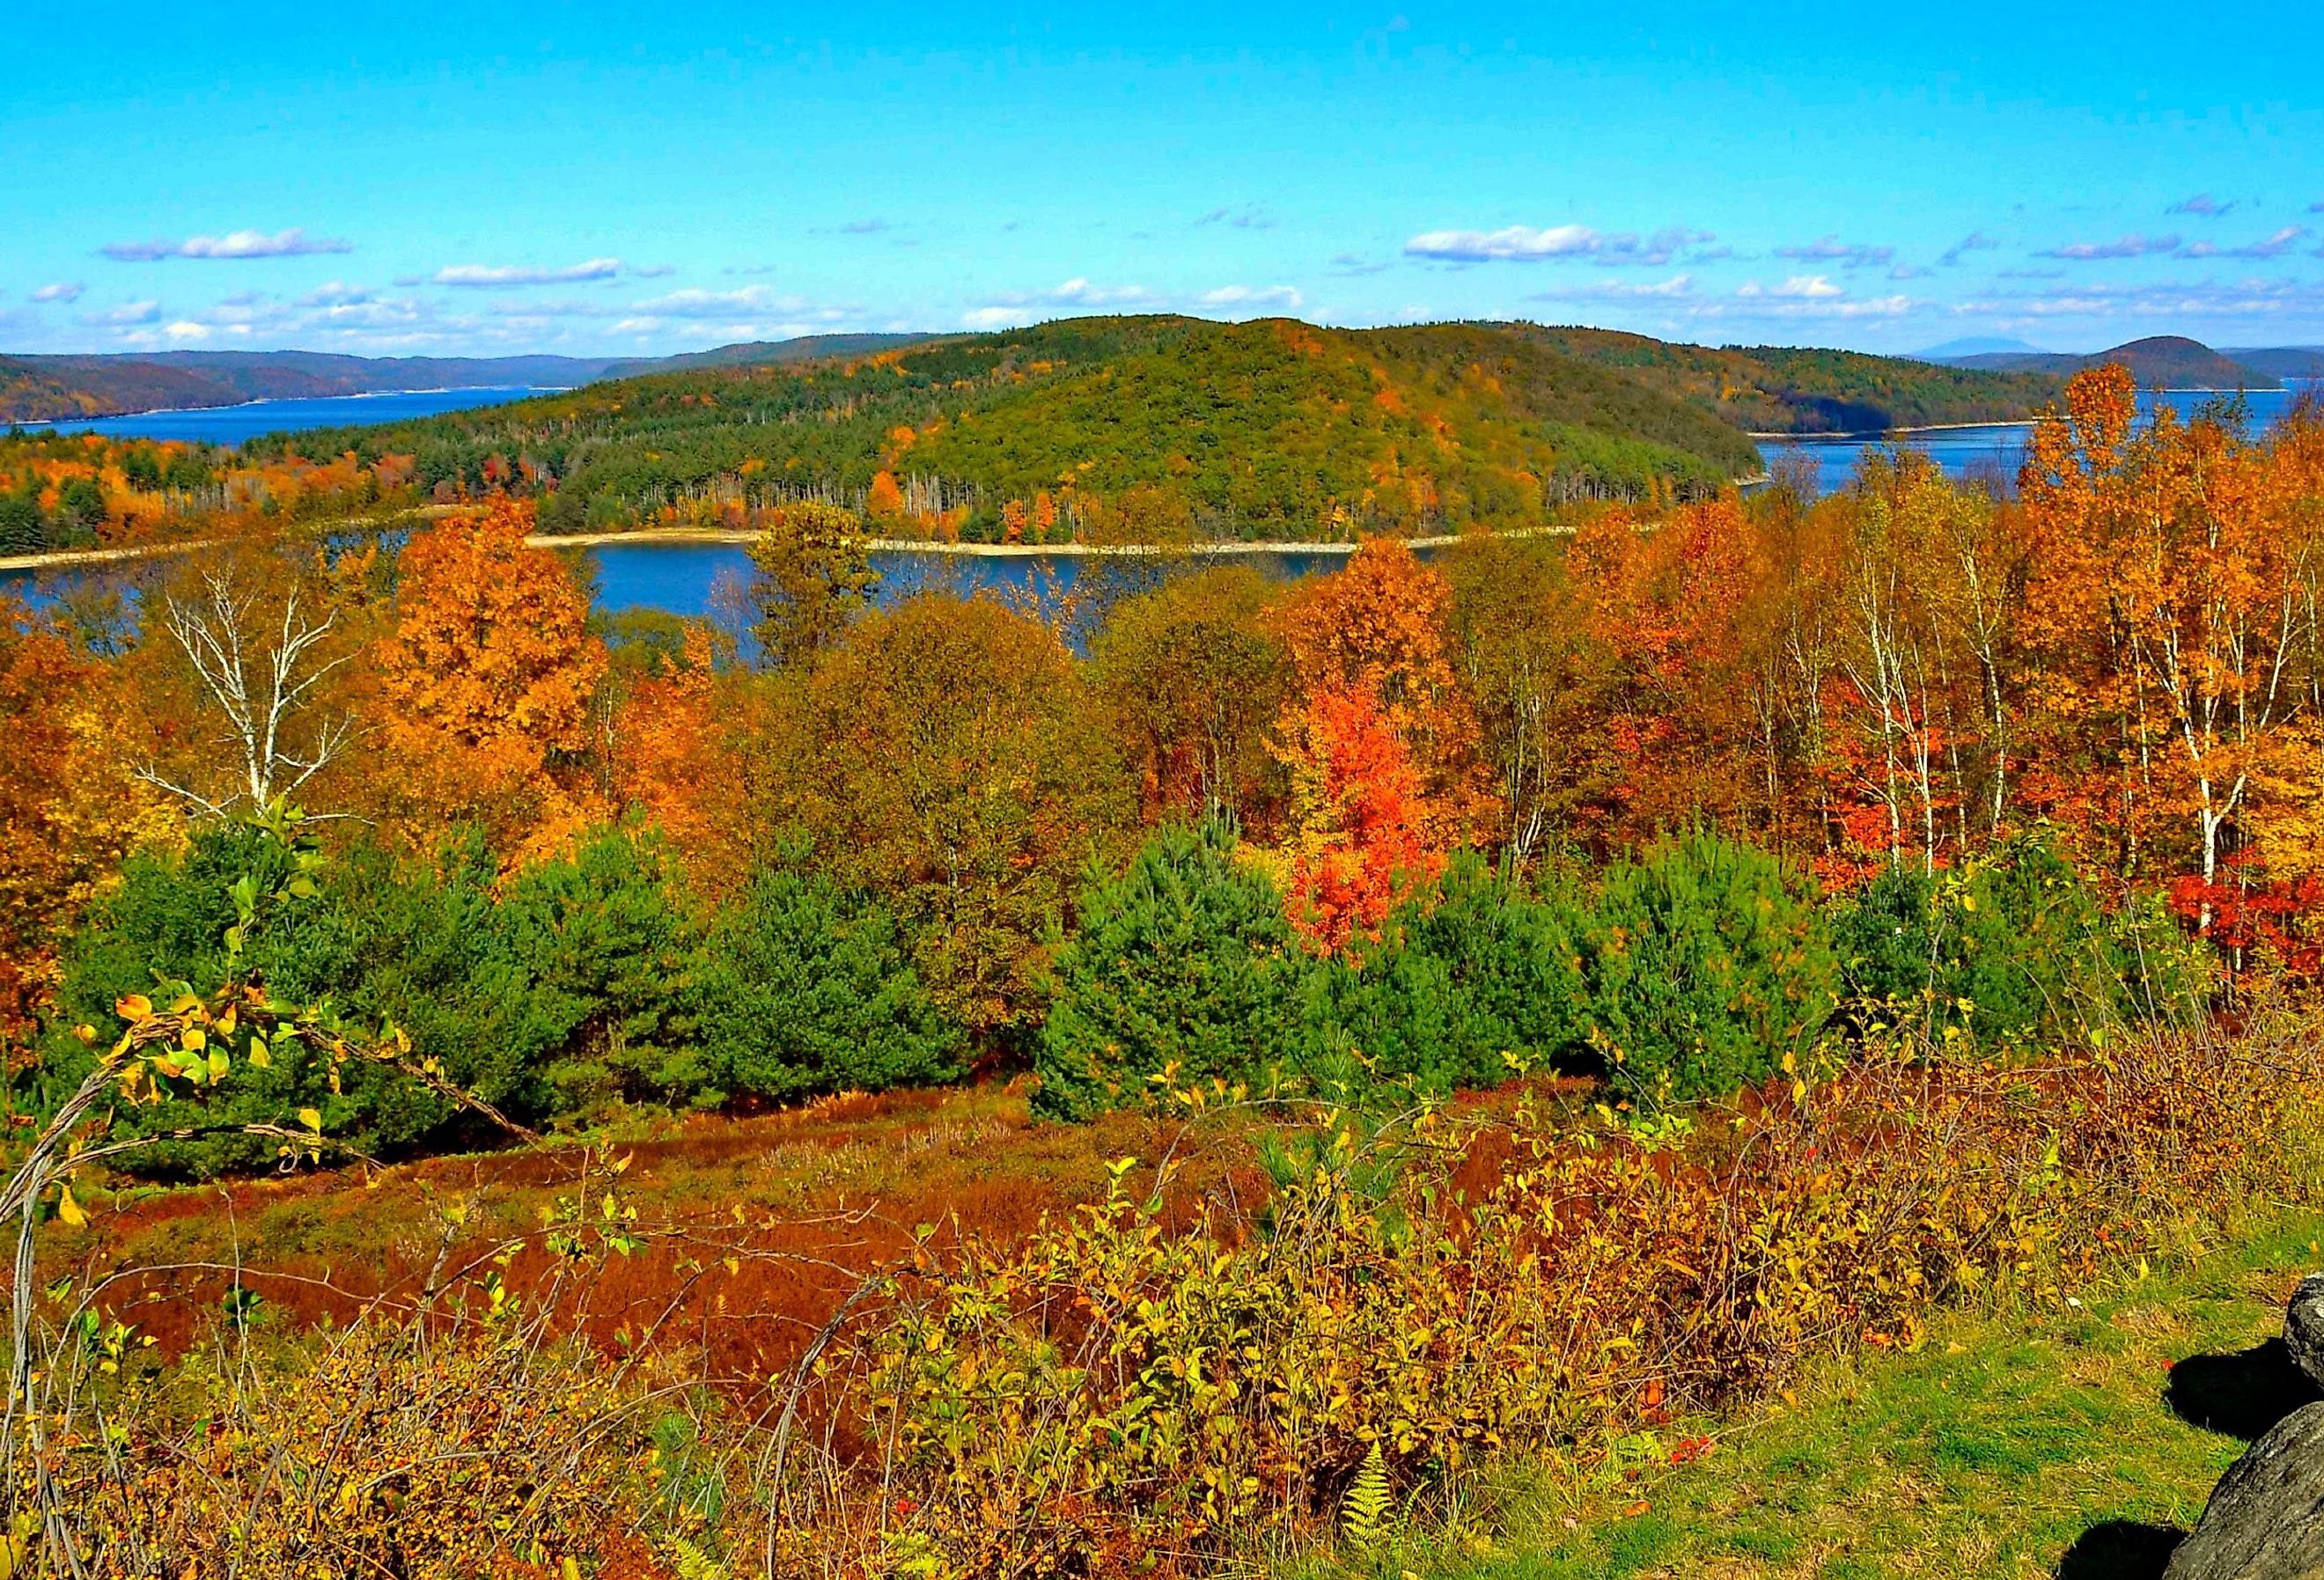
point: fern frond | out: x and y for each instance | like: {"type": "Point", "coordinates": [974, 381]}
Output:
{"type": "Point", "coordinates": [692, 1563]}
{"type": "Point", "coordinates": [1367, 1514]}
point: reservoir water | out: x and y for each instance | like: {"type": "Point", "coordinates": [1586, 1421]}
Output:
{"type": "Point", "coordinates": [230, 425]}
{"type": "Point", "coordinates": [683, 578]}
{"type": "Point", "coordinates": [1991, 451]}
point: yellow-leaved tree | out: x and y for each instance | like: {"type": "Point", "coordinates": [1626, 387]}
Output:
{"type": "Point", "coordinates": [486, 683]}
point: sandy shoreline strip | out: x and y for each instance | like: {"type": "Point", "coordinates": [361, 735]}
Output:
{"type": "Point", "coordinates": [68, 559]}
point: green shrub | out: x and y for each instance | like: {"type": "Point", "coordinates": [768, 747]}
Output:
{"type": "Point", "coordinates": [1183, 960]}
{"type": "Point", "coordinates": [1707, 963]}
{"type": "Point", "coordinates": [801, 990]}
{"type": "Point", "coordinates": [2014, 949]}
{"type": "Point", "coordinates": [360, 943]}
{"type": "Point", "coordinates": [1465, 982]}
{"type": "Point", "coordinates": [545, 1005]}
{"type": "Point", "coordinates": [608, 943]}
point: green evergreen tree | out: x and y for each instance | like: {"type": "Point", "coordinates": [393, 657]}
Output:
{"type": "Point", "coordinates": [1708, 961]}
{"type": "Point", "coordinates": [1183, 960]}
{"type": "Point", "coordinates": [1465, 984]}
{"type": "Point", "coordinates": [802, 990]}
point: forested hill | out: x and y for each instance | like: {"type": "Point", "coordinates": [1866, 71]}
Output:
{"type": "Point", "coordinates": [1134, 425]}
{"type": "Point", "coordinates": [52, 387]}
{"type": "Point", "coordinates": [1778, 389]}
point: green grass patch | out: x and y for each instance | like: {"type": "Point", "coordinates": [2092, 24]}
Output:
{"type": "Point", "coordinates": [2076, 1442]}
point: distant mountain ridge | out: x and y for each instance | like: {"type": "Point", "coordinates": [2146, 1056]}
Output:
{"type": "Point", "coordinates": [2285, 362]}
{"type": "Point", "coordinates": [2160, 361]}
{"type": "Point", "coordinates": [62, 387]}
{"type": "Point", "coordinates": [52, 387]}
{"type": "Point", "coordinates": [1976, 345]}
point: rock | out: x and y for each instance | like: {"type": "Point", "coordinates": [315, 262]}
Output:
{"type": "Point", "coordinates": [2304, 1327]}
{"type": "Point", "coordinates": [2265, 1520]}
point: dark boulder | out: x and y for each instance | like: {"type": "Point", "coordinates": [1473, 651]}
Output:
{"type": "Point", "coordinates": [2265, 1520]}
{"type": "Point", "coordinates": [2304, 1327]}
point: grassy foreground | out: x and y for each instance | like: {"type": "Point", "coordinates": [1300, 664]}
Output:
{"type": "Point", "coordinates": [2080, 1444]}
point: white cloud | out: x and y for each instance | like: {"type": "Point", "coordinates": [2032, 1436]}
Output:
{"type": "Point", "coordinates": [127, 313]}
{"type": "Point", "coordinates": [62, 290]}
{"type": "Point", "coordinates": [1009, 309]}
{"type": "Point", "coordinates": [2201, 203]}
{"type": "Point", "coordinates": [1248, 216]}
{"type": "Point", "coordinates": [293, 243]}
{"type": "Point", "coordinates": [2275, 246]}
{"type": "Point", "coordinates": [709, 304]}
{"type": "Point", "coordinates": [1521, 244]}
{"type": "Point", "coordinates": [510, 277]}
{"type": "Point", "coordinates": [335, 293]}
{"type": "Point", "coordinates": [1012, 308]}
{"type": "Point", "coordinates": [2127, 246]}
{"type": "Point", "coordinates": [1678, 286]}
{"type": "Point", "coordinates": [1278, 296]}
{"type": "Point", "coordinates": [1976, 241]}
{"type": "Point", "coordinates": [1831, 249]}
{"type": "Point", "coordinates": [1798, 288]}
{"type": "Point", "coordinates": [2163, 303]}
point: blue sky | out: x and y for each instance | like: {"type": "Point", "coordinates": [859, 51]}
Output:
{"type": "Point", "coordinates": [482, 179]}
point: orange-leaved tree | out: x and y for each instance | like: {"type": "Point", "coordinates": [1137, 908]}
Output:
{"type": "Point", "coordinates": [2173, 617]}
{"type": "Point", "coordinates": [485, 683]}
{"type": "Point", "coordinates": [668, 754]}
{"type": "Point", "coordinates": [70, 807]}
{"type": "Point", "coordinates": [1691, 707]}
{"type": "Point", "coordinates": [1381, 629]}
{"type": "Point", "coordinates": [1359, 842]}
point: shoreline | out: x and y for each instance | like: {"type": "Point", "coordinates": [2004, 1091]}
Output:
{"type": "Point", "coordinates": [70, 559]}
{"type": "Point", "coordinates": [738, 538]}
{"type": "Point", "coordinates": [1881, 433]}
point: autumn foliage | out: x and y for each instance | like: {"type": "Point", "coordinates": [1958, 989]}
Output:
{"type": "Point", "coordinates": [485, 684]}
{"type": "Point", "coordinates": [1881, 861]}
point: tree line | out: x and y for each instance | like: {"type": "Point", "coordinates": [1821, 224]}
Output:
{"type": "Point", "coordinates": [1677, 799]}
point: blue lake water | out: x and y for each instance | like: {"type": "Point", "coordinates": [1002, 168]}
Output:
{"type": "Point", "coordinates": [1993, 450]}
{"type": "Point", "coordinates": [683, 578]}
{"type": "Point", "coordinates": [230, 425]}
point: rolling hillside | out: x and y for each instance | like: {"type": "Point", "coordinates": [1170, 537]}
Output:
{"type": "Point", "coordinates": [2169, 362]}
{"type": "Point", "coordinates": [1149, 425]}
{"type": "Point", "coordinates": [2283, 362]}
{"type": "Point", "coordinates": [1774, 388]}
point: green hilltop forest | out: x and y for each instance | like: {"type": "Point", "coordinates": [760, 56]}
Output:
{"type": "Point", "coordinates": [1158, 426]}
{"type": "Point", "coordinates": [1147, 425]}
{"type": "Point", "coordinates": [1782, 389]}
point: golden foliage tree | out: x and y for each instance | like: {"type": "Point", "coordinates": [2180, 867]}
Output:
{"type": "Point", "coordinates": [2173, 617]}
{"type": "Point", "coordinates": [485, 683]}
{"type": "Point", "coordinates": [70, 807]}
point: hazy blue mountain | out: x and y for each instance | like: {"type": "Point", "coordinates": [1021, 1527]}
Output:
{"type": "Point", "coordinates": [1977, 346]}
